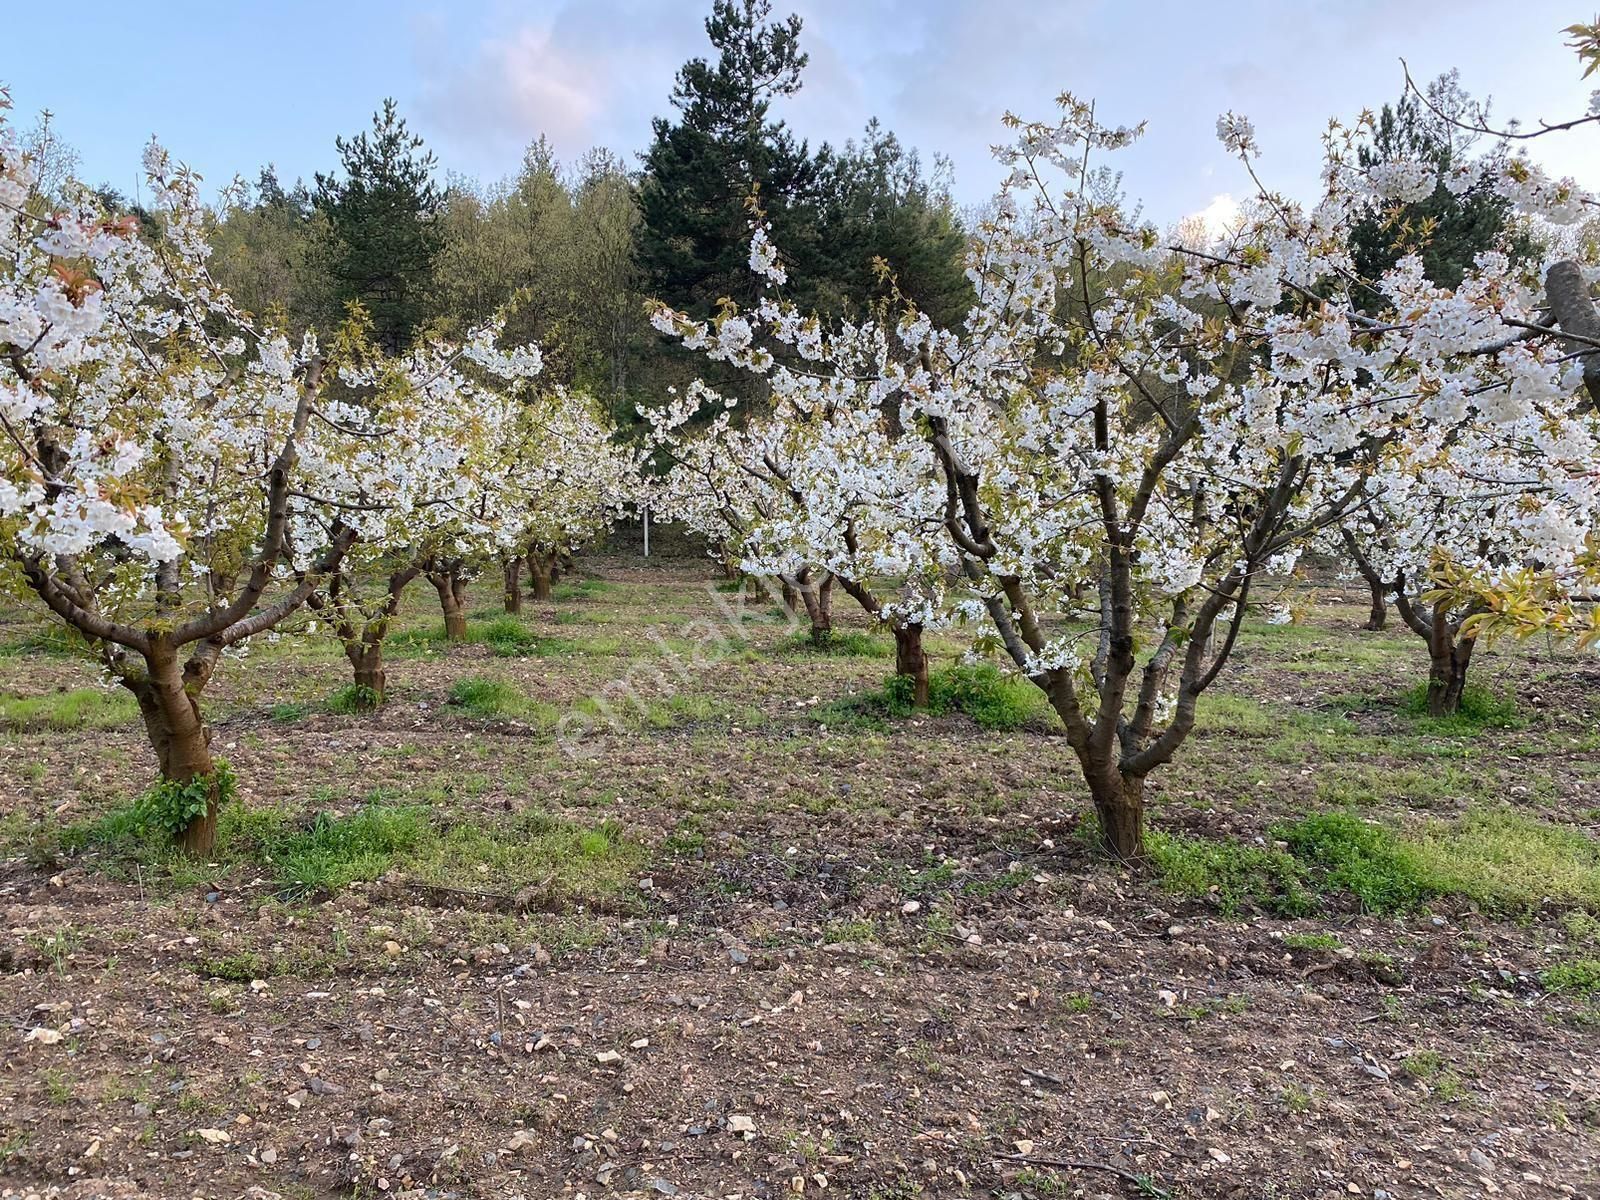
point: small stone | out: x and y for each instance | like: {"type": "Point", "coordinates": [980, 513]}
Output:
{"type": "Point", "coordinates": [1023, 1145]}
{"type": "Point", "coordinates": [606, 1057]}
{"type": "Point", "coordinates": [639, 1044]}
{"type": "Point", "coordinates": [268, 1155]}
{"type": "Point", "coordinates": [911, 906]}
{"type": "Point", "coordinates": [521, 1140]}
{"type": "Point", "coordinates": [741, 1124]}
{"type": "Point", "coordinates": [1480, 1160]}
{"type": "Point", "coordinates": [391, 948]}
{"type": "Point", "coordinates": [216, 1137]}
{"type": "Point", "coordinates": [1218, 1155]}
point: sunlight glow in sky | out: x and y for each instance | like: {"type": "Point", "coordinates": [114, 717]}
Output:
{"type": "Point", "coordinates": [229, 87]}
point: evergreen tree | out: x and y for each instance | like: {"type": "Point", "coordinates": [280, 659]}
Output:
{"type": "Point", "coordinates": [1448, 230]}
{"type": "Point", "coordinates": [383, 237]}
{"type": "Point", "coordinates": [700, 171]}
{"type": "Point", "coordinates": [879, 211]}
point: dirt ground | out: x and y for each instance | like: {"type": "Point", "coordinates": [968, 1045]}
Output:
{"type": "Point", "coordinates": [807, 955]}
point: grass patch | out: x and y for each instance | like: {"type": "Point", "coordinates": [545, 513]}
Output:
{"type": "Point", "coordinates": [1340, 784]}
{"type": "Point", "coordinates": [1581, 975]}
{"type": "Point", "coordinates": [849, 643]}
{"type": "Point", "coordinates": [1231, 874]}
{"type": "Point", "coordinates": [567, 863]}
{"type": "Point", "coordinates": [1311, 941]}
{"type": "Point", "coordinates": [322, 854]}
{"type": "Point", "coordinates": [1368, 860]}
{"type": "Point", "coordinates": [352, 699]}
{"type": "Point", "coordinates": [483, 697]}
{"type": "Point", "coordinates": [52, 641]}
{"type": "Point", "coordinates": [419, 640]}
{"type": "Point", "coordinates": [234, 968]}
{"type": "Point", "coordinates": [1507, 862]}
{"type": "Point", "coordinates": [336, 851]}
{"type": "Point", "coordinates": [583, 590]}
{"type": "Point", "coordinates": [993, 700]}
{"type": "Point", "coordinates": [1504, 862]}
{"type": "Point", "coordinates": [508, 637]}
{"type": "Point", "coordinates": [79, 708]}
{"type": "Point", "coordinates": [1480, 709]}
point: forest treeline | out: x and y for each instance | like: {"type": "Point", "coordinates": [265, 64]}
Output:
{"type": "Point", "coordinates": [581, 244]}
{"type": "Point", "coordinates": [576, 250]}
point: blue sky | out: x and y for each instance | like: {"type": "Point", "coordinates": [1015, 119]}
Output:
{"type": "Point", "coordinates": [229, 86]}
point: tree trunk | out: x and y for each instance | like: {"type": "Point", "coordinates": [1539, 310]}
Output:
{"type": "Point", "coordinates": [791, 599]}
{"type": "Point", "coordinates": [1119, 805]}
{"type": "Point", "coordinates": [367, 660]}
{"type": "Point", "coordinates": [452, 591]}
{"type": "Point", "coordinates": [1378, 616]}
{"type": "Point", "coordinates": [910, 661]}
{"type": "Point", "coordinates": [181, 740]}
{"type": "Point", "coordinates": [1447, 669]}
{"type": "Point", "coordinates": [1575, 313]}
{"type": "Point", "coordinates": [513, 574]}
{"type": "Point", "coordinates": [541, 573]}
{"type": "Point", "coordinates": [1377, 586]}
{"type": "Point", "coordinates": [818, 598]}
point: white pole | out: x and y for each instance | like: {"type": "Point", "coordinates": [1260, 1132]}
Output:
{"type": "Point", "coordinates": [647, 531]}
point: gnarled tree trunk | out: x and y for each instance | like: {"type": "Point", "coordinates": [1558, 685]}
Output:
{"type": "Point", "coordinates": [1449, 655]}
{"type": "Point", "coordinates": [512, 568]}
{"type": "Point", "coordinates": [452, 589]}
{"type": "Point", "coordinates": [541, 571]}
{"type": "Point", "coordinates": [1378, 614]}
{"type": "Point", "coordinates": [361, 631]}
{"type": "Point", "coordinates": [910, 661]}
{"type": "Point", "coordinates": [1119, 806]}
{"type": "Point", "coordinates": [1377, 587]}
{"type": "Point", "coordinates": [817, 596]}
{"type": "Point", "coordinates": [171, 710]}
{"type": "Point", "coordinates": [367, 660]}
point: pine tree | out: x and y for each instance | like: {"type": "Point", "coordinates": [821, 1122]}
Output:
{"type": "Point", "coordinates": [1448, 230]}
{"type": "Point", "coordinates": [700, 171]}
{"type": "Point", "coordinates": [879, 211]}
{"type": "Point", "coordinates": [383, 238]}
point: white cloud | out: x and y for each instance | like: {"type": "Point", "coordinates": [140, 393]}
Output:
{"type": "Point", "coordinates": [514, 88]}
{"type": "Point", "coordinates": [1220, 217]}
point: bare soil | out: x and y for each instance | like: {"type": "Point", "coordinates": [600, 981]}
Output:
{"type": "Point", "coordinates": [847, 960]}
